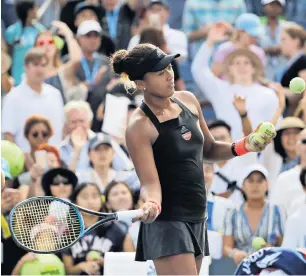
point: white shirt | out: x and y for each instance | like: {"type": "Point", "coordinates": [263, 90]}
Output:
{"type": "Point", "coordinates": [297, 204]}
{"type": "Point", "coordinates": [177, 41]}
{"type": "Point", "coordinates": [22, 102]}
{"type": "Point", "coordinates": [295, 230]}
{"type": "Point", "coordinates": [261, 102]}
{"type": "Point", "coordinates": [287, 188]}
{"type": "Point", "coordinates": [232, 170]}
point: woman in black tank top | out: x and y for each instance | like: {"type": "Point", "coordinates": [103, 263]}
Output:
{"type": "Point", "coordinates": [167, 139]}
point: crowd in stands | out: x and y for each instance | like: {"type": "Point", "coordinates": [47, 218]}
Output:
{"type": "Point", "coordinates": [65, 108]}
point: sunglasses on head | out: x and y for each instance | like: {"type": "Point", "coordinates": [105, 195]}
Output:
{"type": "Point", "coordinates": [43, 134]}
{"type": "Point", "coordinates": [44, 42]}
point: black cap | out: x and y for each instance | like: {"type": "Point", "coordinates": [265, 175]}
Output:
{"type": "Point", "coordinates": [49, 177]}
{"type": "Point", "coordinates": [160, 2]}
{"type": "Point", "coordinates": [85, 6]}
{"type": "Point", "coordinates": [156, 61]}
{"type": "Point", "coordinates": [98, 140]}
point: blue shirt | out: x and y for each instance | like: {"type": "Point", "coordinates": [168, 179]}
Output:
{"type": "Point", "coordinates": [22, 40]}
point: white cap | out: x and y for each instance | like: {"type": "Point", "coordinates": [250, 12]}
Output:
{"type": "Point", "coordinates": [89, 26]}
{"type": "Point", "coordinates": [266, 2]}
{"type": "Point", "coordinates": [250, 169]}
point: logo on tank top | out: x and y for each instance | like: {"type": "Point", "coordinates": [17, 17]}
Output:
{"type": "Point", "coordinates": [186, 133]}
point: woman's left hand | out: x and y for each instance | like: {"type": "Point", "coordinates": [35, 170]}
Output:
{"type": "Point", "coordinates": [257, 146]}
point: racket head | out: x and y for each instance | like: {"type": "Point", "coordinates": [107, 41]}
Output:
{"type": "Point", "coordinates": [45, 224]}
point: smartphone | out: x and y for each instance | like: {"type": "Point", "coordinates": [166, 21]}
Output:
{"type": "Point", "coordinates": [41, 158]}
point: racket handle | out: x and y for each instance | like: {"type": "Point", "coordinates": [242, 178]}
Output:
{"type": "Point", "coordinates": [129, 215]}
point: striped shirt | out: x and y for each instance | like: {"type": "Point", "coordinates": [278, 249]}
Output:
{"type": "Point", "coordinates": [270, 228]}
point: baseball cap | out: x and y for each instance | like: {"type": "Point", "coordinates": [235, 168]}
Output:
{"type": "Point", "coordinates": [89, 26]}
{"type": "Point", "coordinates": [250, 23]}
{"type": "Point", "coordinates": [266, 2]}
{"type": "Point", "coordinates": [6, 169]}
{"type": "Point", "coordinates": [98, 140]}
{"type": "Point", "coordinates": [160, 2]}
{"type": "Point", "coordinates": [251, 169]}
{"type": "Point", "coordinates": [85, 6]}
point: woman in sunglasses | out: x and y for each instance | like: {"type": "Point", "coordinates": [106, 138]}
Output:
{"type": "Point", "coordinates": [60, 75]}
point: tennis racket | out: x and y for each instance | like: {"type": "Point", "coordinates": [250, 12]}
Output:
{"type": "Point", "coordinates": [49, 224]}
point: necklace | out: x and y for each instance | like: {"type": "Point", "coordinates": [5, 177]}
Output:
{"type": "Point", "coordinates": [159, 111]}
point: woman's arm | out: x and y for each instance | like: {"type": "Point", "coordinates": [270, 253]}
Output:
{"type": "Point", "coordinates": [89, 267]}
{"type": "Point", "coordinates": [139, 144]}
{"type": "Point", "coordinates": [239, 103]}
{"type": "Point", "coordinates": [128, 245]}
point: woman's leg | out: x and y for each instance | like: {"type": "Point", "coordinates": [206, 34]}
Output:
{"type": "Point", "coordinates": [182, 264]}
{"type": "Point", "coordinates": [199, 263]}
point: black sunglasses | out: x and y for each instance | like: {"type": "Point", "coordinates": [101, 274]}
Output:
{"type": "Point", "coordinates": [43, 134]}
{"type": "Point", "coordinates": [57, 183]}
{"type": "Point", "coordinates": [303, 141]}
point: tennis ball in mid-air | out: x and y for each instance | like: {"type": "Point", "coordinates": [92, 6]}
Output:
{"type": "Point", "coordinates": [14, 156]}
{"type": "Point", "coordinates": [267, 129]}
{"type": "Point", "coordinates": [256, 137]}
{"type": "Point", "coordinates": [258, 243]}
{"type": "Point", "coordinates": [297, 85]}
{"type": "Point", "coordinates": [93, 255]}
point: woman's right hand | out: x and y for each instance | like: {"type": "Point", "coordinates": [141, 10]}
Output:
{"type": "Point", "coordinates": [36, 171]}
{"type": "Point", "coordinates": [151, 211]}
{"type": "Point", "coordinates": [89, 267]}
{"type": "Point", "coordinates": [29, 257]}
{"type": "Point", "coordinates": [238, 256]}
{"type": "Point", "coordinates": [217, 33]}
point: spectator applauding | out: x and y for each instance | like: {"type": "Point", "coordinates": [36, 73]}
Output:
{"type": "Point", "coordinates": [31, 97]}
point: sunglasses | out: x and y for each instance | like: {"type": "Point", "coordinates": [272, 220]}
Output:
{"type": "Point", "coordinates": [303, 141]}
{"type": "Point", "coordinates": [44, 42]}
{"type": "Point", "coordinates": [43, 134]}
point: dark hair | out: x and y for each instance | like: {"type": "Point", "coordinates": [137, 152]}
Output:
{"type": "Point", "coordinates": [36, 119]}
{"type": "Point", "coordinates": [80, 187]}
{"type": "Point", "coordinates": [22, 9]}
{"type": "Point", "coordinates": [153, 36]}
{"type": "Point", "coordinates": [123, 61]}
{"type": "Point", "coordinates": [218, 123]}
{"type": "Point", "coordinates": [303, 178]}
{"type": "Point", "coordinates": [113, 184]}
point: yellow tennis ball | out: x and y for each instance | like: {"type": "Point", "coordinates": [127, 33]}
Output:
{"type": "Point", "coordinates": [258, 243]}
{"type": "Point", "coordinates": [256, 137]}
{"type": "Point", "coordinates": [297, 85]}
{"type": "Point", "coordinates": [267, 129]}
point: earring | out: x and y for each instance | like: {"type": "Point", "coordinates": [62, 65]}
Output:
{"type": "Point", "coordinates": [144, 89]}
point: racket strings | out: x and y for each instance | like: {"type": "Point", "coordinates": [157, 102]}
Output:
{"type": "Point", "coordinates": [46, 225]}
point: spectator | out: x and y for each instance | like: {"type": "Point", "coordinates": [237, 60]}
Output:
{"type": "Point", "coordinates": [157, 13]}
{"type": "Point", "coordinates": [9, 198]}
{"type": "Point", "coordinates": [108, 238]}
{"type": "Point", "coordinates": [59, 75]}
{"type": "Point", "coordinates": [282, 193]}
{"type": "Point", "coordinates": [295, 231]}
{"type": "Point", "coordinates": [74, 148]}
{"type": "Point", "coordinates": [7, 82]}
{"type": "Point", "coordinates": [101, 154]}
{"type": "Point", "coordinates": [254, 218]}
{"type": "Point", "coordinates": [293, 38]}
{"type": "Point", "coordinates": [156, 37]}
{"type": "Point", "coordinates": [227, 173]}
{"type": "Point", "coordinates": [94, 71]}
{"type": "Point", "coordinates": [295, 11]}
{"type": "Point", "coordinates": [37, 130]}
{"type": "Point", "coordinates": [248, 30]}
{"type": "Point", "coordinates": [21, 36]}
{"type": "Point", "coordinates": [284, 155]}
{"type": "Point", "coordinates": [243, 69]}
{"type": "Point", "coordinates": [272, 22]}
{"type": "Point", "coordinates": [198, 16]}
{"type": "Point", "coordinates": [117, 20]}
{"type": "Point", "coordinates": [31, 97]}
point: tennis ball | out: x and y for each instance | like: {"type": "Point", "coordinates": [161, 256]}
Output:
{"type": "Point", "coordinates": [258, 243]}
{"type": "Point", "coordinates": [256, 137]}
{"type": "Point", "coordinates": [14, 156]}
{"type": "Point", "coordinates": [267, 129]}
{"type": "Point", "coordinates": [93, 255]}
{"type": "Point", "coordinates": [45, 264]}
{"type": "Point", "coordinates": [297, 85]}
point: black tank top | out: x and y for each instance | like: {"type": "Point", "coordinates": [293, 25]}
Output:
{"type": "Point", "coordinates": [178, 155]}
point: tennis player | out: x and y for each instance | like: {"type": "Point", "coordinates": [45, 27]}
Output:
{"type": "Point", "coordinates": [167, 139]}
